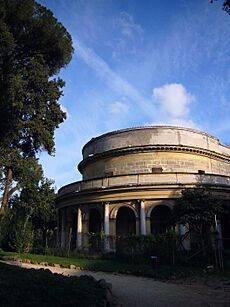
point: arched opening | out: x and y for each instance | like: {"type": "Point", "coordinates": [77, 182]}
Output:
{"type": "Point", "coordinates": [94, 221]}
{"type": "Point", "coordinates": [125, 222]}
{"type": "Point", "coordinates": [225, 229]}
{"type": "Point", "coordinates": [159, 219]}
{"type": "Point", "coordinates": [94, 230]}
{"type": "Point", "coordinates": [74, 230]}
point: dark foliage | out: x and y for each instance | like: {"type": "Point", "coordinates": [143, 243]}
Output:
{"type": "Point", "coordinates": [226, 6]}
{"type": "Point", "coordinates": [34, 46]}
{"type": "Point", "coordinates": [21, 287]}
{"type": "Point", "coordinates": [198, 207]}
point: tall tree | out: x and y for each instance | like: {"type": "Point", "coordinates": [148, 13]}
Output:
{"type": "Point", "coordinates": [34, 46]}
{"type": "Point", "coordinates": [197, 208]}
{"type": "Point", "coordinates": [226, 6]}
{"type": "Point", "coordinates": [31, 211]}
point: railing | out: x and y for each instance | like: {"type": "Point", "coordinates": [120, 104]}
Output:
{"type": "Point", "coordinates": [145, 179]}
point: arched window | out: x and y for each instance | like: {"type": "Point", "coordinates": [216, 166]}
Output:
{"type": "Point", "coordinates": [125, 222]}
{"type": "Point", "coordinates": [94, 221]}
{"type": "Point", "coordinates": [159, 218]}
{"type": "Point", "coordinates": [225, 229]}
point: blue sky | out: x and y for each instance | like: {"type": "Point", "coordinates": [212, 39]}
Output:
{"type": "Point", "coordinates": [140, 63]}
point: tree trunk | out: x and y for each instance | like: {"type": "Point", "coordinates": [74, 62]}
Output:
{"type": "Point", "coordinates": [6, 193]}
{"type": "Point", "coordinates": [44, 237]}
{"type": "Point", "coordinates": [27, 218]}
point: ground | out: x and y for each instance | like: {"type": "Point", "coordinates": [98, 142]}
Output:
{"type": "Point", "coordinates": [139, 291]}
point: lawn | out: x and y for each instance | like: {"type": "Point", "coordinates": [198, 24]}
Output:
{"type": "Point", "coordinates": [105, 265]}
{"type": "Point", "coordinates": [129, 266]}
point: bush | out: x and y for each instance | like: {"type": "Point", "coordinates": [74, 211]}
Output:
{"type": "Point", "coordinates": [8, 231]}
{"type": "Point", "coordinates": [140, 248]}
{"type": "Point", "coordinates": [24, 237]}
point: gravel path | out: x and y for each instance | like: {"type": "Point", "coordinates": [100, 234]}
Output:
{"type": "Point", "coordinates": [133, 291]}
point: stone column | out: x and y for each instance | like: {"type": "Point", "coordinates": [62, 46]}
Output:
{"type": "Point", "coordinates": [142, 217]}
{"type": "Point", "coordinates": [186, 242]}
{"type": "Point", "coordinates": [58, 243]}
{"type": "Point", "coordinates": [85, 228]}
{"type": "Point", "coordinates": [63, 227]}
{"type": "Point", "coordinates": [148, 225]}
{"type": "Point", "coordinates": [106, 226]}
{"type": "Point", "coordinates": [68, 228]}
{"type": "Point", "coordinates": [79, 228]}
{"type": "Point", "coordinates": [219, 237]}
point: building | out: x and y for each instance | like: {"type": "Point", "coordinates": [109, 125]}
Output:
{"type": "Point", "coordinates": [131, 177]}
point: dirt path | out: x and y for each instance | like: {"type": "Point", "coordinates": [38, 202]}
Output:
{"type": "Point", "coordinates": [133, 291]}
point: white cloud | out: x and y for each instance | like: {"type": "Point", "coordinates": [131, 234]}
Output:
{"type": "Point", "coordinates": [171, 102]}
{"type": "Point", "coordinates": [119, 107]}
{"type": "Point", "coordinates": [113, 80]}
{"type": "Point", "coordinates": [127, 25]}
{"type": "Point", "coordinates": [185, 123]}
{"type": "Point", "coordinates": [175, 122]}
{"type": "Point", "coordinates": [174, 99]}
{"type": "Point", "coordinates": [174, 105]}
{"type": "Point", "coordinates": [128, 37]}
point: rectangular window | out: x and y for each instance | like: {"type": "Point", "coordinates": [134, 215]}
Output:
{"type": "Point", "coordinates": [108, 174]}
{"type": "Point", "coordinates": [157, 170]}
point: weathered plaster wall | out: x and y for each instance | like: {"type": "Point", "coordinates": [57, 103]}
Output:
{"type": "Point", "coordinates": [147, 162]}
{"type": "Point", "coordinates": [153, 136]}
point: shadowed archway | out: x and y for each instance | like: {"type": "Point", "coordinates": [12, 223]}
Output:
{"type": "Point", "coordinates": [159, 217]}
{"type": "Point", "coordinates": [125, 222]}
{"type": "Point", "coordinates": [94, 221]}
{"type": "Point", "coordinates": [225, 229]}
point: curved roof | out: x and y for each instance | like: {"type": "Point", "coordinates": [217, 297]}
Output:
{"type": "Point", "coordinates": [151, 136]}
{"type": "Point", "coordinates": [145, 128]}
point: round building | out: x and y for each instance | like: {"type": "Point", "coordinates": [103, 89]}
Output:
{"type": "Point", "coordinates": [131, 177]}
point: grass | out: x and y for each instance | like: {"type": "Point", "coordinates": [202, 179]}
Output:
{"type": "Point", "coordinates": [105, 265]}
{"type": "Point", "coordinates": [164, 272]}
{"type": "Point", "coordinates": [20, 287]}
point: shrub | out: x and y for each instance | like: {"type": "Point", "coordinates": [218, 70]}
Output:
{"type": "Point", "coordinates": [24, 237]}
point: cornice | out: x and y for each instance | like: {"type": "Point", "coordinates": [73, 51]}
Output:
{"type": "Point", "coordinates": [178, 179]}
{"type": "Point", "coordinates": [152, 192]}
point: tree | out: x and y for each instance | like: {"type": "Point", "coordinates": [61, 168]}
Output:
{"type": "Point", "coordinates": [226, 5]}
{"type": "Point", "coordinates": [30, 212]}
{"type": "Point", "coordinates": [197, 208]}
{"type": "Point", "coordinates": [34, 46]}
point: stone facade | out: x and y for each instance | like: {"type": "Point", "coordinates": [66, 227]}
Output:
{"type": "Point", "coordinates": [131, 177]}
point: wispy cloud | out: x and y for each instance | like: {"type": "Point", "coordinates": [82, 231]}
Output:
{"type": "Point", "coordinates": [128, 39]}
{"type": "Point", "coordinates": [113, 80]}
{"type": "Point", "coordinates": [119, 108]}
{"type": "Point", "coordinates": [127, 26]}
{"type": "Point", "coordinates": [195, 39]}
{"type": "Point", "coordinates": [171, 102]}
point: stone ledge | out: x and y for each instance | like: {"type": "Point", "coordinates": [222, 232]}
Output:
{"type": "Point", "coordinates": [143, 179]}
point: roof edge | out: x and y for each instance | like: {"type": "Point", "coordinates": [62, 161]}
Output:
{"type": "Point", "coordinates": [149, 127]}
